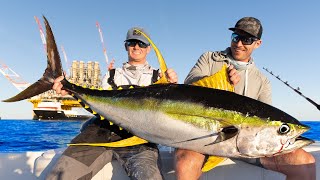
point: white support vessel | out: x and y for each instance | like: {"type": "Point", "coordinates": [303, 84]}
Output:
{"type": "Point", "coordinates": [52, 110]}
{"type": "Point", "coordinates": [36, 165]}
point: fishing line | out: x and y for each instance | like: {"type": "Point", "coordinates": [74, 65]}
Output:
{"type": "Point", "coordinates": [297, 90]}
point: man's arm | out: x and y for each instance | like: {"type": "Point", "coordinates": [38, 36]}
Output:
{"type": "Point", "coordinates": [171, 76]}
{"type": "Point", "coordinates": [266, 92]}
{"type": "Point", "coordinates": [57, 86]}
{"type": "Point", "coordinates": [104, 82]}
{"type": "Point", "coordinates": [203, 68]}
{"type": "Point", "coordinates": [200, 69]}
{"type": "Point", "coordinates": [234, 76]}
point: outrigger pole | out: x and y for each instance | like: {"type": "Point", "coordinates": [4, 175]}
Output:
{"type": "Point", "coordinates": [297, 90]}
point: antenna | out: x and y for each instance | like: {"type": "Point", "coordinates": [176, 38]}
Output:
{"type": "Point", "coordinates": [297, 90]}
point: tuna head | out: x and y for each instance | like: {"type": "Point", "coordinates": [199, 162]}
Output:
{"type": "Point", "coordinates": [270, 139]}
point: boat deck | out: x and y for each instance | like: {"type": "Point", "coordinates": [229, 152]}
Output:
{"type": "Point", "coordinates": [35, 165]}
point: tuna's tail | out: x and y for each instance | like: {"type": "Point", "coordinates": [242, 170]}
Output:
{"type": "Point", "coordinates": [53, 70]}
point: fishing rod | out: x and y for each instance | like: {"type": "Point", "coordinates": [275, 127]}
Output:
{"type": "Point", "coordinates": [297, 90]}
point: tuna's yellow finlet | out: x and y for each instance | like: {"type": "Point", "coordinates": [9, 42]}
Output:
{"type": "Point", "coordinates": [132, 141]}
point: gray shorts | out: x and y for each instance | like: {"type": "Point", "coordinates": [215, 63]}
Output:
{"type": "Point", "coordinates": [83, 162]}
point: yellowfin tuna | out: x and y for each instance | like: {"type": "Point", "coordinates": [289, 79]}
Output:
{"type": "Point", "coordinates": [184, 116]}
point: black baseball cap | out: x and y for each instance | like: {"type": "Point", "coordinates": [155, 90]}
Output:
{"type": "Point", "coordinates": [249, 25]}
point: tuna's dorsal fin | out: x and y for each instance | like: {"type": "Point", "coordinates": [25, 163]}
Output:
{"type": "Point", "coordinates": [212, 162]}
{"type": "Point", "coordinates": [162, 62]}
{"type": "Point", "coordinates": [132, 141]}
{"type": "Point", "coordinates": [219, 80]}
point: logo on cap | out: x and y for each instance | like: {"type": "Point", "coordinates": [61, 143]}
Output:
{"type": "Point", "coordinates": [136, 32]}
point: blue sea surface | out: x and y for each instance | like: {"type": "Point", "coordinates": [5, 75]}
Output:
{"type": "Point", "coordinates": [314, 132]}
{"type": "Point", "coordinates": [32, 135]}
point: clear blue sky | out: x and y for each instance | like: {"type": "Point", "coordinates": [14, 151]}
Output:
{"type": "Point", "coordinates": [182, 30]}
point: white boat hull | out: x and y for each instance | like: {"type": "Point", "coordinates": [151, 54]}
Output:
{"type": "Point", "coordinates": [52, 110]}
{"type": "Point", "coordinates": [35, 165]}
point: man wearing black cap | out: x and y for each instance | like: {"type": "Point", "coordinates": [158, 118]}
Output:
{"type": "Point", "coordinates": [248, 81]}
{"type": "Point", "coordinates": [141, 162]}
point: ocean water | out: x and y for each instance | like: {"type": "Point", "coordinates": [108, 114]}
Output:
{"type": "Point", "coordinates": [32, 135]}
{"type": "Point", "coordinates": [314, 132]}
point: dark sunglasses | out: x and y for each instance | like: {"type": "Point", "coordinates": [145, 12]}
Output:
{"type": "Point", "coordinates": [245, 40]}
{"type": "Point", "coordinates": [135, 42]}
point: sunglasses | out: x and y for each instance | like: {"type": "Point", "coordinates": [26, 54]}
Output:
{"type": "Point", "coordinates": [245, 40]}
{"type": "Point", "coordinates": [135, 42]}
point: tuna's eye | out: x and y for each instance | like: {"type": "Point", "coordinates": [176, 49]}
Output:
{"type": "Point", "coordinates": [284, 128]}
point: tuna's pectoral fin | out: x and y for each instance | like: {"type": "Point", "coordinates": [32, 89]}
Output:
{"type": "Point", "coordinates": [225, 134]}
{"type": "Point", "coordinates": [212, 162]}
{"type": "Point", "coordinates": [132, 141]}
{"type": "Point", "coordinates": [219, 80]}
